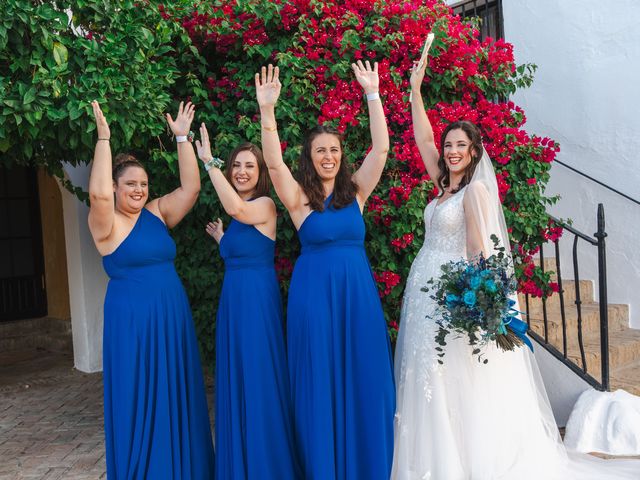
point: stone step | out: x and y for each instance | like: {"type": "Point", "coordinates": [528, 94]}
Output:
{"type": "Point", "coordinates": [618, 320]}
{"type": "Point", "coordinates": [569, 295]}
{"type": "Point", "coordinates": [47, 333]}
{"type": "Point", "coordinates": [624, 350]}
{"type": "Point", "coordinates": [626, 378]}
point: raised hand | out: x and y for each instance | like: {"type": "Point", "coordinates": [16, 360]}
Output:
{"type": "Point", "coordinates": [215, 230]}
{"type": "Point", "coordinates": [182, 123]}
{"type": "Point", "coordinates": [101, 123]}
{"type": "Point", "coordinates": [417, 73]}
{"type": "Point", "coordinates": [268, 86]}
{"type": "Point", "coordinates": [366, 76]}
{"type": "Point", "coordinates": [203, 146]}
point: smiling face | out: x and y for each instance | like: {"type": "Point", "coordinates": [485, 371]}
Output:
{"type": "Point", "coordinates": [326, 155]}
{"type": "Point", "coordinates": [131, 189]}
{"type": "Point", "coordinates": [457, 151]}
{"type": "Point", "coordinates": [245, 173]}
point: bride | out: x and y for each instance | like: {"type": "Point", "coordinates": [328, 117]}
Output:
{"type": "Point", "coordinates": [465, 420]}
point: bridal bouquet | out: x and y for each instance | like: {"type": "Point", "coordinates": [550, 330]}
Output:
{"type": "Point", "coordinates": [473, 300]}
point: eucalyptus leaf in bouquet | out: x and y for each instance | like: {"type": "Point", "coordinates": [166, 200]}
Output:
{"type": "Point", "coordinates": [476, 299]}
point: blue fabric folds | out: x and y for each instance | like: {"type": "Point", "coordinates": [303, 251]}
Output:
{"type": "Point", "coordinates": [254, 430]}
{"type": "Point", "coordinates": [339, 353]}
{"type": "Point", "coordinates": [155, 410]}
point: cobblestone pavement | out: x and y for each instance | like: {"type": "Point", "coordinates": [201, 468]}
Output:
{"type": "Point", "coordinates": [51, 423]}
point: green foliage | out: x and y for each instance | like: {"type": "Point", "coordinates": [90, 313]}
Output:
{"type": "Point", "coordinates": [52, 66]}
{"type": "Point", "coordinates": [139, 59]}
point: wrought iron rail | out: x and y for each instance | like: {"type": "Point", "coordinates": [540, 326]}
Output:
{"type": "Point", "coordinates": [581, 369]}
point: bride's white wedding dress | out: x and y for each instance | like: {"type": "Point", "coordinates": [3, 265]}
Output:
{"type": "Point", "coordinates": [465, 420]}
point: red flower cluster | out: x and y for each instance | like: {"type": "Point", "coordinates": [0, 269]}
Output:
{"type": "Point", "coordinates": [402, 242]}
{"type": "Point", "coordinates": [284, 267]}
{"type": "Point", "coordinates": [388, 280]}
{"type": "Point", "coordinates": [553, 233]}
{"type": "Point", "coordinates": [530, 287]}
{"type": "Point", "coordinates": [317, 41]}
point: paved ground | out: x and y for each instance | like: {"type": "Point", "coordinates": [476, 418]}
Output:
{"type": "Point", "coordinates": [50, 418]}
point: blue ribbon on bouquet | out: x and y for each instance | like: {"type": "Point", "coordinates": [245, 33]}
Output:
{"type": "Point", "coordinates": [520, 328]}
{"type": "Point", "coordinates": [517, 326]}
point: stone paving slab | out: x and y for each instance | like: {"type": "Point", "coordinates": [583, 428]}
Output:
{"type": "Point", "coordinates": [51, 423]}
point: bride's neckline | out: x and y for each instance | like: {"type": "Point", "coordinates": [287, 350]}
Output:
{"type": "Point", "coordinates": [438, 202]}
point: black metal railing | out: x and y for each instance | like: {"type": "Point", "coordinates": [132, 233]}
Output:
{"type": "Point", "coordinates": [578, 365]}
{"type": "Point", "coordinates": [489, 13]}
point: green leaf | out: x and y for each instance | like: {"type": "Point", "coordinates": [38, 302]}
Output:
{"type": "Point", "coordinates": [60, 53]}
{"type": "Point", "coordinates": [5, 144]}
{"type": "Point", "coordinates": [29, 96]}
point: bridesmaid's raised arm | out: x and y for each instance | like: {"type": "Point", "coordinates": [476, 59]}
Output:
{"type": "Point", "coordinates": [267, 92]}
{"type": "Point", "coordinates": [102, 208]}
{"type": "Point", "coordinates": [368, 175]}
{"type": "Point", "coordinates": [422, 131]}
{"type": "Point", "coordinates": [256, 212]}
{"type": "Point", "coordinates": [175, 205]}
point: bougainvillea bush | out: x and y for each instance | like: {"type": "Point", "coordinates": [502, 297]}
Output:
{"type": "Point", "coordinates": [314, 43]}
{"type": "Point", "coordinates": [139, 58]}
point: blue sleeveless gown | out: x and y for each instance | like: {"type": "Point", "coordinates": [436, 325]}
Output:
{"type": "Point", "coordinates": [254, 428]}
{"type": "Point", "coordinates": [155, 410]}
{"type": "Point", "coordinates": [339, 353]}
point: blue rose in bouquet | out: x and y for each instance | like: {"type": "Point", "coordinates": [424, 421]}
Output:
{"type": "Point", "coordinates": [475, 300]}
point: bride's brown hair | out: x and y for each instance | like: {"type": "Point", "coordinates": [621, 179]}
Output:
{"type": "Point", "coordinates": [474, 135]}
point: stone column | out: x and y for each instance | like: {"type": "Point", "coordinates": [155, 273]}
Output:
{"type": "Point", "coordinates": [87, 280]}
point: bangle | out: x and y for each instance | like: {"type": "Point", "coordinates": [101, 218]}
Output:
{"type": "Point", "coordinates": [269, 129]}
{"type": "Point", "coordinates": [215, 162]}
{"type": "Point", "coordinates": [185, 138]}
{"type": "Point", "coordinates": [373, 96]}
{"type": "Point", "coordinates": [104, 139]}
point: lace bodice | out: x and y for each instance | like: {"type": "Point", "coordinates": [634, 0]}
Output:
{"type": "Point", "coordinates": [445, 240]}
{"type": "Point", "coordinates": [445, 229]}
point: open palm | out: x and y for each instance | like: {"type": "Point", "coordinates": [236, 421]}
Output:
{"type": "Point", "coordinates": [182, 123]}
{"type": "Point", "coordinates": [101, 123]}
{"type": "Point", "coordinates": [268, 86]}
{"type": "Point", "coordinates": [366, 76]}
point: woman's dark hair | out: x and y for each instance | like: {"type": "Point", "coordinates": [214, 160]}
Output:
{"type": "Point", "coordinates": [122, 162]}
{"type": "Point", "coordinates": [473, 132]}
{"type": "Point", "coordinates": [344, 190]}
{"type": "Point", "coordinates": [263, 186]}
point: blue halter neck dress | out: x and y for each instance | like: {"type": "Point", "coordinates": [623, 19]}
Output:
{"type": "Point", "coordinates": [254, 430]}
{"type": "Point", "coordinates": [339, 352]}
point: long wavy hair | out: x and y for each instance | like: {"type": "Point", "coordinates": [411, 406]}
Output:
{"type": "Point", "coordinates": [474, 135]}
{"type": "Point", "coordinates": [263, 187]}
{"type": "Point", "coordinates": [344, 190]}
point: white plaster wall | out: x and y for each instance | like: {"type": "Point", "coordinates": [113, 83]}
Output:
{"type": "Point", "coordinates": [586, 95]}
{"type": "Point", "coordinates": [87, 279]}
{"type": "Point", "coordinates": [562, 385]}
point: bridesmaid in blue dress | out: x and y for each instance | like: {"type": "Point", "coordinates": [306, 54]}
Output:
{"type": "Point", "coordinates": [339, 352]}
{"type": "Point", "coordinates": [156, 419]}
{"type": "Point", "coordinates": [254, 429]}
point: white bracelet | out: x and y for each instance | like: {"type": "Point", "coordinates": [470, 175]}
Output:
{"type": "Point", "coordinates": [373, 96]}
{"type": "Point", "coordinates": [181, 138]}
